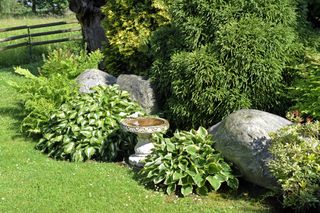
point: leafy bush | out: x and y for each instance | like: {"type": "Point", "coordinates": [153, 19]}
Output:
{"type": "Point", "coordinates": [129, 24]}
{"type": "Point", "coordinates": [69, 62]}
{"type": "Point", "coordinates": [296, 164]}
{"type": "Point", "coordinates": [305, 91]}
{"type": "Point", "coordinates": [41, 97]}
{"type": "Point", "coordinates": [86, 127]}
{"type": "Point", "coordinates": [187, 162]}
{"type": "Point", "coordinates": [234, 55]}
{"type": "Point", "coordinates": [55, 85]}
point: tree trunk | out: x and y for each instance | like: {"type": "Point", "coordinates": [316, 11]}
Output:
{"type": "Point", "coordinates": [89, 15]}
{"type": "Point", "coordinates": [34, 6]}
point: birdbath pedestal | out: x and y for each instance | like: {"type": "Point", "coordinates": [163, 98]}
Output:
{"type": "Point", "coordinates": [143, 127]}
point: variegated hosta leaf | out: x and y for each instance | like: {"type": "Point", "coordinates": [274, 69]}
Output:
{"type": "Point", "coordinates": [187, 161]}
{"type": "Point", "coordinates": [87, 126]}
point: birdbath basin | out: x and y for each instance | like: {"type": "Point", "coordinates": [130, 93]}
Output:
{"type": "Point", "coordinates": [143, 127]}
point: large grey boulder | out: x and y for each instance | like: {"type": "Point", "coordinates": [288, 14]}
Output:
{"type": "Point", "coordinates": [243, 138]}
{"type": "Point", "coordinates": [140, 90]}
{"type": "Point", "coordinates": [94, 77]}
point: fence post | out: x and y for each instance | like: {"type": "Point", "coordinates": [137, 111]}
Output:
{"type": "Point", "coordinates": [29, 44]}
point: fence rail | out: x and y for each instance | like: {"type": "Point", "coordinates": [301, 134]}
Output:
{"type": "Point", "coordinates": [30, 35]}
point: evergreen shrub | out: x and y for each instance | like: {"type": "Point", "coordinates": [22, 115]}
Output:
{"type": "Point", "coordinates": [305, 90]}
{"type": "Point", "coordinates": [129, 25]}
{"type": "Point", "coordinates": [234, 55]}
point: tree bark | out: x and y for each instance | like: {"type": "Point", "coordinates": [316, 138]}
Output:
{"type": "Point", "coordinates": [88, 13]}
{"type": "Point", "coordinates": [34, 6]}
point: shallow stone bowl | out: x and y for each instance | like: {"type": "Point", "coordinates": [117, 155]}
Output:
{"type": "Point", "coordinates": [144, 125]}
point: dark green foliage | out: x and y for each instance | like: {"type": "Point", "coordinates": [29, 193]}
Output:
{"type": "Point", "coordinates": [57, 7]}
{"type": "Point", "coordinates": [186, 163]}
{"type": "Point", "coordinates": [86, 127]}
{"type": "Point", "coordinates": [69, 63]}
{"type": "Point", "coordinates": [129, 24]}
{"type": "Point", "coordinates": [8, 7]}
{"type": "Point", "coordinates": [296, 165]}
{"type": "Point", "coordinates": [305, 90]}
{"type": "Point", "coordinates": [234, 55]}
{"type": "Point", "coordinates": [202, 89]}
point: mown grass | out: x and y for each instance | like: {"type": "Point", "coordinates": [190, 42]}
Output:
{"type": "Point", "coordinates": [31, 182]}
{"type": "Point", "coordinates": [22, 55]}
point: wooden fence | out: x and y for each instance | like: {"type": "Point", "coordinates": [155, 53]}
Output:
{"type": "Point", "coordinates": [31, 35]}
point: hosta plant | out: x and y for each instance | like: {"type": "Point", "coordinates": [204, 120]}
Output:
{"type": "Point", "coordinates": [186, 163]}
{"type": "Point", "coordinates": [296, 164]}
{"type": "Point", "coordinates": [86, 127]}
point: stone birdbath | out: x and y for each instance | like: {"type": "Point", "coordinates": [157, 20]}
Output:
{"type": "Point", "coordinates": [143, 127]}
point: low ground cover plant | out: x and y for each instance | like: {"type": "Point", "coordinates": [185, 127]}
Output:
{"type": "Point", "coordinates": [296, 164]}
{"type": "Point", "coordinates": [187, 163]}
{"type": "Point", "coordinates": [42, 96]}
{"type": "Point", "coordinates": [69, 62]}
{"type": "Point", "coordinates": [46, 92]}
{"type": "Point", "coordinates": [87, 127]}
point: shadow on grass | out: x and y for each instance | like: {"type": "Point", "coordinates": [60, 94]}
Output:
{"type": "Point", "coordinates": [246, 192]}
{"type": "Point", "coordinates": [16, 113]}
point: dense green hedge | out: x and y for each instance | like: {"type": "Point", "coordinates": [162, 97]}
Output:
{"type": "Point", "coordinates": [233, 56]}
{"type": "Point", "coordinates": [212, 57]}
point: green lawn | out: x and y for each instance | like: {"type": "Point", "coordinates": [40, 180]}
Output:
{"type": "Point", "coordinates": [31, 182]}
{"type": "Point", "coordinates": [21, 55]}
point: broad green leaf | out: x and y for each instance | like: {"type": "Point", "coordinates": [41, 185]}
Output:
{"type": "Point", "coordinates": [171, 188]}
{"type": "Point", "coordinates": [233, 183]}
{"type": "Point", "coordinates": [162, 167]}
{"type": "Point", "coordinates": [92, 121]}
{"type": "Point", "coordinates": [192, 149]}
{"type": "Point", "coordinates": [73, 115]}
{"type": "Point", "coordinates": [178, 175]}
{"type": "Point", "coordinates": [170, 146]}
{"type": "Point", "coordinates": [187, 180]}
{"type": "Point", "coordinates": [57, 138]}
{"type": "Point", "coordinates": [214, 181]}
{"type": "Point", "coordinates": [87, 134]}
{"type": "Point", "coordinates": [213, 168]}
{"type": "Point", "coordinates": [202, 191]}
{"type": "Point", "coordinates": [90, 151]}
{"type": "Point", "coordinates": [48, 136]}
{"type": "Point", "coordinates": [202, 132]}
{"type": "Point", "coordinates": [198, 180]}
{"type": "Point", "coordinates": [169, 178]}
{"type": "Point", "coordinates": [158, 179]}
{"type": "Point", "coordinates": [69, 148]}
{"type": "Point", "coordinates": [75, 128]}
{"type": "Point", "coordinates": [78, 156]}
{"type": "Point", "coordinates": [80, 119]}
{"type": "Point", "coordinates": [186, 190]}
